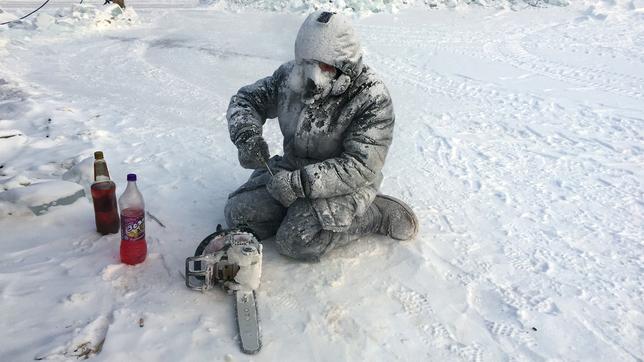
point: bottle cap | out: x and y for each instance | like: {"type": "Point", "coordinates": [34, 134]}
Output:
{"type": "Point", "coordinates": [131, 177]}
{"type": "Point", "coordinates": [98, 155]}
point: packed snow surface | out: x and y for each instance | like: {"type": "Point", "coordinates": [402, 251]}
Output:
{"type": "Point", "coordinates": [519, 143]}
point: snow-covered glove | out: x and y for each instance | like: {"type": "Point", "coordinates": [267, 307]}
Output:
{"type": "Point", "coordinates": [286, 187]}
{"type": "Point", "coordinates": [252, 151]}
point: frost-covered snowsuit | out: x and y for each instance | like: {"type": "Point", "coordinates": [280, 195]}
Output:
{"type": "Point", "coordinates": [338, 145]}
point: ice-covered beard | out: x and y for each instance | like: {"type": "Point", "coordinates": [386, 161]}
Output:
{"type": "Point", "coordinates": [311, 82]}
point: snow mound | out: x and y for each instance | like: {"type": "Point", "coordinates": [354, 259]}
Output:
{"type": "Point", "coordinates": [86, 343]}
{"type": "Point", "coordinates": [80, 16]}
{"type": "Point", "coordinates": [5, 16]}
{"type": "Point", "coordinates": [41, 130]}
{"type": "Point", "coordinates": [371, 6]}
{"type": "Point", "coordinates": [613, 9]}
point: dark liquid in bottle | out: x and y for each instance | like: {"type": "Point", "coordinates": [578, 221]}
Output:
{"type": "Point", "coordinates": [105, 209]}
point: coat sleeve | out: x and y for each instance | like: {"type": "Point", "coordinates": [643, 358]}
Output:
{"type": "Point", "coordinates": [365, 148]}
{"type": "Point", "coordinates": [253, 104]}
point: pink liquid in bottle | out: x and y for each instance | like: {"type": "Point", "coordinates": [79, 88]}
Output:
{"type": "Point", "coordinates": [133, 245]}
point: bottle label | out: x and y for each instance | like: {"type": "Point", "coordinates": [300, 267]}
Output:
{"type": "Point", "coordinates": [132, 227]}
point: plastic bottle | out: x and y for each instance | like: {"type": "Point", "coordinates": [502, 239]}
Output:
{"type": "Point", "coordinates": [104, 198]}
{"type": "Point", "coordinates": [133, 245]}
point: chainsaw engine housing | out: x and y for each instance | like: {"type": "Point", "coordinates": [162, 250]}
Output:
{"type": "Point", "coordinates": [229, 258]}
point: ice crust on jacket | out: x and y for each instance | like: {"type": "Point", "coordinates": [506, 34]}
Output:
{"type": "Point", "coordinates": [339, 145]}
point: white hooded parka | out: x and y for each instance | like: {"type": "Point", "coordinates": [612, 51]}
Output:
{"type": "Point", "coordinates": [338, 144]}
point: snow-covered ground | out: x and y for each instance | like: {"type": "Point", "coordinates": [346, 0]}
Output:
{"type": "Point", "coordinates": [519, 143]}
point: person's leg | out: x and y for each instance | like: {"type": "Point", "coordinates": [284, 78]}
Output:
{"type": "Point", "coordinates": [301, 235]}
{"type": "Point", "coordinates": [256, 209]}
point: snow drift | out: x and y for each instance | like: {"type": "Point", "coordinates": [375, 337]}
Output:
{"type": "Point", "coordinates": [375, 6]}
{"type": "Point", "coordinates": [78, 16]}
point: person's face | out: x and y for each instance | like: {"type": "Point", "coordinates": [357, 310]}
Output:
{"type": "Point", "coordinates": [318, 80]}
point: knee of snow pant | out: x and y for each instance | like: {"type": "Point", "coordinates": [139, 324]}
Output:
{"type": "Point", "coordinates": [301, 236]}
{"type": "Point", "coordinates": [256, 209]}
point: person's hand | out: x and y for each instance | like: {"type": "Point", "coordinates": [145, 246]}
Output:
{"type": "Point", "coordinates": [286, 187]}
{"type": "Point", "coordinates": [252, 152]}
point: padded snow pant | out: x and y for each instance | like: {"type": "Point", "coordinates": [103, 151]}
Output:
{"type": "Point", "coordinates": [298, 233]}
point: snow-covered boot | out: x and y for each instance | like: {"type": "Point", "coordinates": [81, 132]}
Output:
{"type": "Point", "coordinates": [398, 220]}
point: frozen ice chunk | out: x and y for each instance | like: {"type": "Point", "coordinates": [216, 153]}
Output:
{"type": "Point", "coordinates": [43, 21]}
{"type": "Point", "coordinates": [90, 339]}
{"type": "Point", "coordinates": [12, 142]}
{"type": "Point", "coordinates": [41, 196]}
{"type": "Point", "coordinates": [82, 173]}
{"type": "Point", "coordinates": [86, 343]}
{"type": "Point", "coordinates": [6, 16]}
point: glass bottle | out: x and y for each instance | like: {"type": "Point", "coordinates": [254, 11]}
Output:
{"type": "Point", "coordinates": [104, 198]}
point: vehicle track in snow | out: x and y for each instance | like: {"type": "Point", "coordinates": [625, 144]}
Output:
{"type": "Point", "coordinates": [514, 52]}
{"type": "Point", "coordinates": [540, 132]}
{"type": "Point", "coordinates": [513, 46]}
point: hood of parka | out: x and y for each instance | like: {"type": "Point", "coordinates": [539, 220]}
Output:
{"type": "Point", "coordinates": [330, 38]}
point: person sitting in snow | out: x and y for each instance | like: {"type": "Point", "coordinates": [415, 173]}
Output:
{"type": "Point", "coordinates": [337, 120]}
